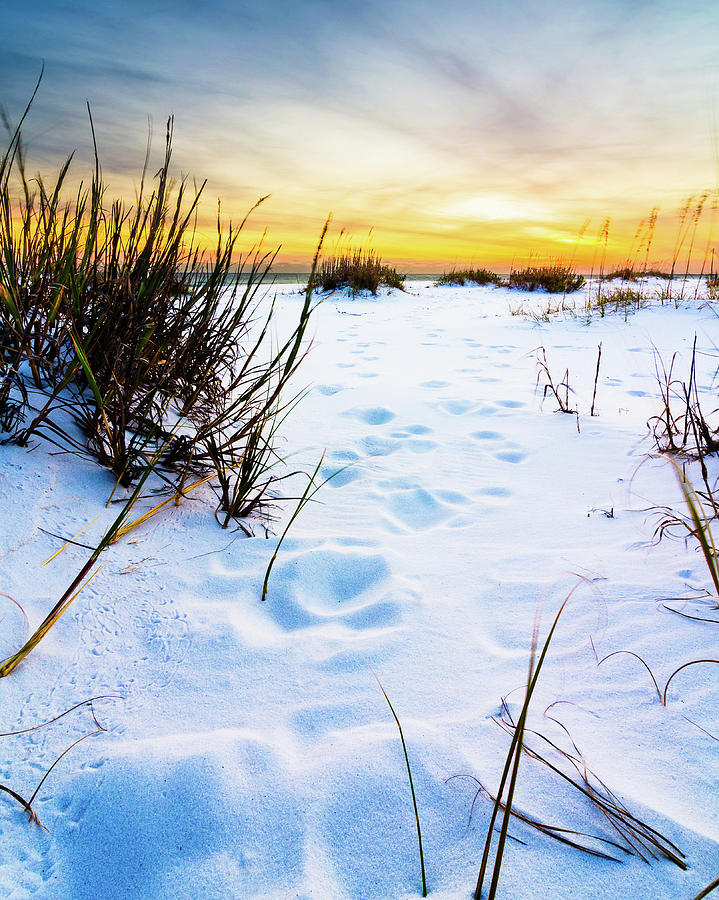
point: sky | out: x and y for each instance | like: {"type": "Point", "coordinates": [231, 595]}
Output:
{"type": "Point", "coordinates": [463, 132]}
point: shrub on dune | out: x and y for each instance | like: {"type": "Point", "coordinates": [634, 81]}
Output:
{"type": "Point", "coordinates": [357, 270]}
{"type": "Point", "coordinates": [554, 279]}
{"type": "Point", "coordinates": [462, 276]}
{"type": "Point", "coordinates": [628, 273]}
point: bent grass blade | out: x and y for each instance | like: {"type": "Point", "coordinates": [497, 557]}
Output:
{"type": "Point", "coordinates": [78, 583]}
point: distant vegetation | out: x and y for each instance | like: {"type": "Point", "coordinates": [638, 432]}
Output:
{"type": "Point", "coordinates": [555, 279]}
{"type": "Point", "coordinates": [476, 276]}
{"type": "Point", "coordinates": [630, 274]}
{"type": "Point", "coordinates": [358, 270]}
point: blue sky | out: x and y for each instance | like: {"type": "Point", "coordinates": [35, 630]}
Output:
{"type": "Point", "coordinates": [442, 126]}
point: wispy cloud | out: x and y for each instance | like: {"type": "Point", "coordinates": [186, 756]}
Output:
{"type": "Point", "coordinates": [381, 110]}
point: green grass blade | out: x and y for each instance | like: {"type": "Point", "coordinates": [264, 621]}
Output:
{"type": "Point", "coordinates": [411, 785]}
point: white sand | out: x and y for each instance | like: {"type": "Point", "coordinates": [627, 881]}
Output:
{"type": "Point", "coordinates": [251, 753]}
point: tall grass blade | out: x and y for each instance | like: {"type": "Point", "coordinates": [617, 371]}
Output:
{"type": "Point", "coordinates": [307, 495]}
{"type": "Point", "coordinates": [707, 890]}
{"type": "Point", "coordinates": [510, 760]}
{"type": "Point", "coordinates": [702, 531]}
{"type": "Point", "coordinates": [411, 784]}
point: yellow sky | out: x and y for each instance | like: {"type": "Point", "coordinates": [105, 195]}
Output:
{"type": "Point", "coordinates": [478, 133]}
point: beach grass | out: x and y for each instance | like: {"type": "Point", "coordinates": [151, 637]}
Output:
{"type": "Point", "coordinates": [560, 390]}
{"type": "Point", "coordinates": [474, 276]}
{"type": "Point", "coordinates": [411, 785]}
{"type": "Point", "coordinates": [356, 269]}
{"type": "Point", "coordinates": [682, 425]}
{"type": "Point", "coordinates": [557, 278]}
{"type": "Point", "coordinates": [622, 299]}
{"type": "Point", "coordinates": [629, 273]}
{"type": "Point", "coordinates": [510, 772]}
{"type": "Point", "coordinates": [634, 836]}
{"type": "Point", "coordinates": [122, 341]}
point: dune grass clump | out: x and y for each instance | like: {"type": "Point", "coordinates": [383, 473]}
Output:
{"type": "Point", "coordinates": [628, 273]}
{"type": "Point", "coordinates": [123, 341]}
{"type": "Point", "coordinates": [682, 426]}
{"type": "Point", "coordinates": [462, 276]}
{"type": "Point", "coordinates": [358, 270]}
{"type": "Point", "coordinates": [712, 283]}
{"type": "Point", "coordinates": [622, 299]}
{"type": "Point", "coordinates": [554, 279]}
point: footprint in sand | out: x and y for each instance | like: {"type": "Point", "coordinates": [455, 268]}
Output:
{"type": "Point", "coordinates": [337, 477]}
{"type": "Point", "coordinates": [344, 455]}
{"type": "Point", "coordinates": [376, 415]}
{"type": "Point", "coordinates": [510, 456]}
{"type": "Point", "coordinates": [434, 385]}
{"type": "Point", "coordinates": [331, 586]}
{"type": "Point", "coordinates": [412, 507]}
{"type": "Point", "coordinates": [486, 435]}
{"type": "Point", "coordinates": [410, 435]}
{"type": "Point", "coordinates": [509, 452]}
{"type": "Point", "coordinates": [329, 389]}
{"type": "Point", "coordinates": [419, 446]}
{"type": "Point", "coordinates": [494, 491]}
{"type": "Point", "coordinates": [455, 407]}
{"type": "Point", "coordinates": [377, 446]}
{"type": "Point", "coordinates": [498, 407]}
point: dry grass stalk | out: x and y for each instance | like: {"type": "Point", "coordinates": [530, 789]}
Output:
{"type": "Point", "coordinates": [511, 766]}
{"type": "Point", "coordinates": [707, 890]}
{"type": "Point", "coordinates": [662, 695]}
{"type": "Point", "coordinates": [27, 805]}
{"type": "Point", "coordinates": [636, 836]}
{"type": "Point", "coordinates": [596, 379]}
{"type": "Point", "coordinates": [560, 391]}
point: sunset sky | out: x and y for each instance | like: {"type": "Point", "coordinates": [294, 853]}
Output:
{"type": "Point", "coordinates": [464, 131]}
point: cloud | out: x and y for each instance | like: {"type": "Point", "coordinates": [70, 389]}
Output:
{"type": "Point", "coordinates": [387, 109]}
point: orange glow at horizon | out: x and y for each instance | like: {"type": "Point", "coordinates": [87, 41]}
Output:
{"type": "Point", "coordinates": [487, 135]}
{"type": "Point", "coordinates": [679, 238]}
